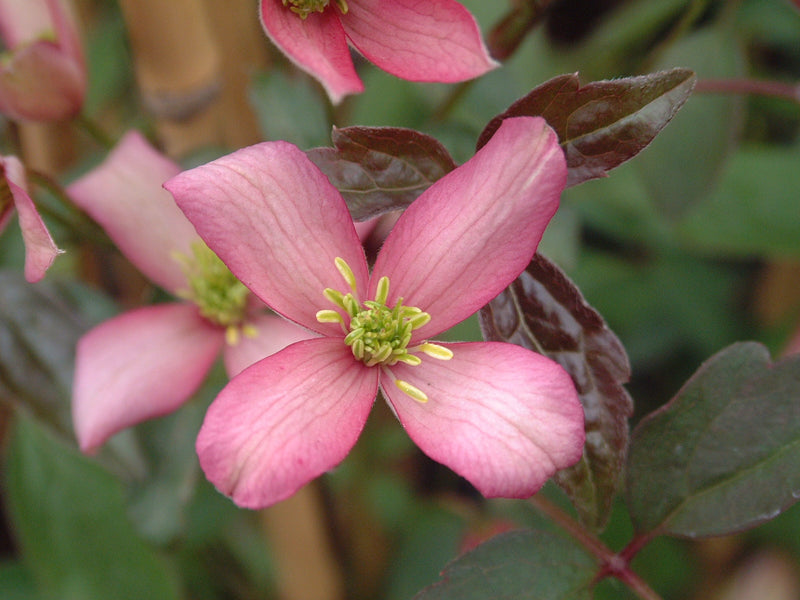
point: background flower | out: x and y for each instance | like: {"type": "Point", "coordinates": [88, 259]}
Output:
{"type": "Point", "coordinates": [43, 73]}
{"type": "Point", "coordinates": [437, 40]}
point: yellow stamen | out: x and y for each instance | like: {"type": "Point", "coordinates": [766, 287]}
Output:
{"type": "Point", "coordinates": [408, 389]}
{"type": "Point", "coordinates": [435, 351]}
{"type": "Point", "coordinates": [347, 274]}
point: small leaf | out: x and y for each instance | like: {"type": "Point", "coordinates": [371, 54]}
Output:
{"type": "Point", "coordinates": [722, 455]}
{"type": "Point", "coordinates": [381, 169]}
{"type": "Point", "coordinates": [543, 311]}
{"type": "Point", "coordinates": [70, 521]}
{"type": "Point", "coordinates": [605, 123]}
{"type": "Point", "coordinates": [38, 333]}
{"type": "Point", "coordinates": [520, 565]}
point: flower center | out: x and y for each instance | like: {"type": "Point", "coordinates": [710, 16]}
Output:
{"type": "Point", "coordinates": [303, 8]}
{"type": "Point", "coordinates": [377, 333]}
{"type": "Point", "coordinates": [220, 297]}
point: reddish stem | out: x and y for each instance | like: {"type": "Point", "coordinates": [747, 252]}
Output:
{"type": "Point", "coordinates": [774, 89]}
{"type": "Point", "coordinates": [611, 565]}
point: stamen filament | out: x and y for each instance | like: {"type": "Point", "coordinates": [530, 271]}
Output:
{"type": "Point", "coordinates": [382, 293]}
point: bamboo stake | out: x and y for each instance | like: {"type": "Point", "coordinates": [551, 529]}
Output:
{"type": "Point", "coordinates": [296, 528]}
{"type": "Point", "coordinates": [244, 49]}
{"type": "Point", "coordinates": [177, 66]}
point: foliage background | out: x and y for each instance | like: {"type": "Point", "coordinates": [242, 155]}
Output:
{"type": "Point", "coordinates": [689, 247]}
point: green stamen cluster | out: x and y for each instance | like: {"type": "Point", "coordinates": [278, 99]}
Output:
{"type": "Point", "coordinates": [221, 298]}
{"type": "Point", "coordinates": [377, 333]}
{"type": "Point", "coordinates": [303, 8]}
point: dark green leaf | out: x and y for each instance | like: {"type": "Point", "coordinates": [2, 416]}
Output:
{"type": "Point", "coordinates": [677, 173]}
{"type": "Point", "coordinates": [604, 123]}
{"type": "Point", "coordinates": [380, 169]}
{"type": "Point", "coordinates": [754, 209]}
{"type": "Point", "coordinates": [722, 455]}
{"type": "Point", "coordinates": [543, 311]}
{"type": "Point", "coordinates": [38, 333]}
{"type": "Point", "coordinates": [521, 565]}
{"type": "Point", "coordinates": [70, 521]}
{"type": "Point", "coordinates": [289, 109]}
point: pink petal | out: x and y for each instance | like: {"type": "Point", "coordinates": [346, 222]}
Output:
{"type": "Point", "coordinates": [436, 40]}
{"type": "Point", "coordinates": [40, 83]}
{"type": "Point", "coordinates": [137, 366]}
{"type": "Point", "coordinates": [499, 415]}
{"type": "Point", "coordinates": [278, 223]}
{"type": "Point", "coordinates": [471, 233]}
{"type": "Point", "coordinates": [285, 420]}
{"type": "Point", "coordinates": [124, 195]}
{"type": "Point", "coordinates": [274, 334]}
{"type": "Point", "coordinates": [23, 21]}
{"type": "Point", "coordinates": [40, 249]}
{"type": "Point", "coordinates": [317, 45]}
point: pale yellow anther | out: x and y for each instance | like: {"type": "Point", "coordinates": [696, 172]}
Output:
{"type": "Point", "coordinates": [382, 293]}
{"type": "Point", "coordinates": [408, 389]}
{"type": "Point", "coordinates": [436, 351]}
{"type": "Point", "coordinates": [419, 320]}
{"type": "Point", "coordinates": [410, 359]}
{"type": "Point", "coordinates": [347, 273]}
{"type": "Point", "coordinates": [250, 331]}
{"type": "Point", "coordinates": [329, 316]}
{"type": "Point", "coordinates": [232, 335]}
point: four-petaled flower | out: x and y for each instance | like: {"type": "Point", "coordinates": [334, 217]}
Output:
{"type": "Point", "coordinates": [503, 417]}
{"type": "Point", "coordinates": [43, 71]}
{"type": "Point", "coordinates": [40, 250]}
{"type": "Point", "coordinates": [435, 40]}
{"type": "Point", "coordinates": [146, 362]}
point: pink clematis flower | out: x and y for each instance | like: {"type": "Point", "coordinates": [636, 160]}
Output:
{"type": "Point", "coordinates": [43, 72]}
{"type": "Point", "coordinates": [147, 362]}
{"type": "Point", "coordinates": [436, 40]}
{"type": "Point", "coordinates": [503, 417]}
{"type": "Point", "coordinates": [40, 250]}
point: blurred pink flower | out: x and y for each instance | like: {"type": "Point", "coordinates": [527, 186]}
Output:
{"type": "Point", "coordinates": [43, 72]}
{"type": "Point", "coordinates": [503, 417]}
{"type": "Point", "coordinates": [147, 362]}
{"type": "Point", "coordinates": [40, 250]}
{"type": "Point", "coordinates": [436, 40]}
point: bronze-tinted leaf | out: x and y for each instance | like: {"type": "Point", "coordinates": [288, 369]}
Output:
{"type": "Point", "coordinates": [544, 311]}
{"type": "Point", "coordinates": [604, 123]}
{"type": "Point", "coordinates": [381, 169]}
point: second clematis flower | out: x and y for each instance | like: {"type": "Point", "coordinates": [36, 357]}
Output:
{"type": "Point", "coordinates": [501, 416]}
{"type": "Point", "coordinates": [436, 40]}
{"type": "Point", "coordinates": [148, 361]}
{"type": "Point", "coordinates": [43, 71]}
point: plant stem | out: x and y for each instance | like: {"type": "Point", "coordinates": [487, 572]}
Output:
{"type": "Point", "coordinates": [611, 565]}
{"type": "Point", "coordinates": [773, 89]}
{"type": "Point", "coordinates": [95, 131]}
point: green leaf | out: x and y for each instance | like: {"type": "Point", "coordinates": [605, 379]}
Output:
{"type": "Point", "coordinates": [70, 520]}
{"type": "Point", "coordinates": [289, 109]}
{"type": "Point", "coordinates": [604, 123]}
{"type": "Point", "coordinates": [380, 169]}
{"type": "Point", "coordinates": [542, 310]}
{"type": "Point", "coordinates": [38, 333]}
{"type": "Point", "coordinates": [521, 565]}
{"type": "Point", "coordinates": [722, 455]}
{"type": "Point", "coordinates": [686, 160]}
{"type": "Point", "coordinates": [754, 210]}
